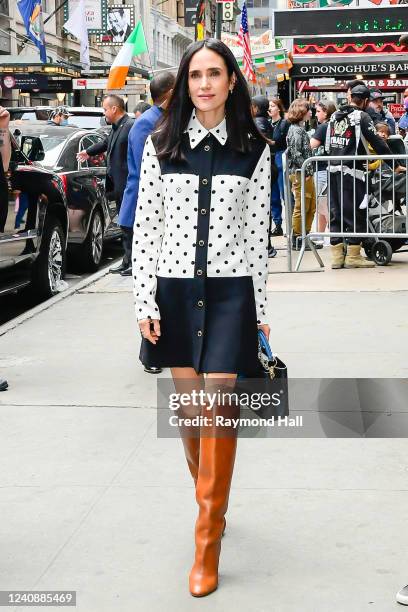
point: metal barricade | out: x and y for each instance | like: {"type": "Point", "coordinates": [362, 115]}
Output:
{"type": "Point", "coordinates": [366, 200]}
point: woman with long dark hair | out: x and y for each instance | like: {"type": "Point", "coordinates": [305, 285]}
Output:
{"type": "Point", "coordinates": [200, 264]}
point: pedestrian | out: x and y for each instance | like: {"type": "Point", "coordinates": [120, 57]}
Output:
{"type": "Point", "coordinates": [280, 131]}
{"type": "Point", "coordinates": [59, 116]}
{"type": "Point", "coordinates": [5, 154]}
{"type": "Point", "coordinates": [377, 105]}
{"type": "Point", "coordinates": [115, 145]}
{"type": "Point", "coordinates": [347, 132]}
{"type": "Point", "coordinates": [324, 110]}
{"type": "Point", "coordinates": [140, 108]}
{"type": "Point", "coordinates": [160, 90]}
{"type": "Point", "coordinates": [297, 152]}
{"type": "Point", "coordinates": [260, 113]}
{"type": "Point", "coordinates": [200, 264]}
{"type": "Point", "coordinates": [403, 122]}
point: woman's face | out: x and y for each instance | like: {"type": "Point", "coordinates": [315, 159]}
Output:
{"type": "Point", "coordinates": [273, 110]}
{"type": "Point", "coordinates": [321, 114]}
{"type": "Point", "coordinates": [208, 80]}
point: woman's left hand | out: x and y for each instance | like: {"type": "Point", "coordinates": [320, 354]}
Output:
{"type": "Point", "coordinates": [266, 330]}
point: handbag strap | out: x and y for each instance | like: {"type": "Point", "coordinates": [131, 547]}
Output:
{"type": "Point", "coordinates": [265, 345]}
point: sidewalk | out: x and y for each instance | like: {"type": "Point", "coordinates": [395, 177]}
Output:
{"type": "Point", "coordinates": [92, 501]}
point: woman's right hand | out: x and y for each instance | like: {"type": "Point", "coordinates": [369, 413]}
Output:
{"type": "Point", "coordinates": [146, 325]}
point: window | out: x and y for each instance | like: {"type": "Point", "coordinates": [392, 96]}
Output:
{"type": "Point", "coordinates": [261, 23]}
{"type": "Point", "coordinates": [4, 7]}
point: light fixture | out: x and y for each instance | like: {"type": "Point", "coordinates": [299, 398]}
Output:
{"type": "Point", "coordinates": [359, 77]}
{"type": "Point", "coordinates": [61, 97]}
{"type": "Point", "coordinates": [393, 76]}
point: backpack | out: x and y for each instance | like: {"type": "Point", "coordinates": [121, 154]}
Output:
{"type": "Point", "coordinates": [353, 121]}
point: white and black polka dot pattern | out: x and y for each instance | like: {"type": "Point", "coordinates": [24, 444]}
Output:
{"type": "Point", "coordinates": [179, 218]}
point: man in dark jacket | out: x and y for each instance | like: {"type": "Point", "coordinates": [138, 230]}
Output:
{"type": "Point", "coordinates": [260, 108]}
{"type": "Point", "coordinates": [116, 147]}
{"type": "Point", "coordinates": [349, 130]}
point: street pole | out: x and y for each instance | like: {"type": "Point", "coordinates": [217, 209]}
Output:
{"type": "Point", "coordinates": [218, 20]}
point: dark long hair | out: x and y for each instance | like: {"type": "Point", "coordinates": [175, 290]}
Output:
{"type": "Point", "coordinates": [240, 124]}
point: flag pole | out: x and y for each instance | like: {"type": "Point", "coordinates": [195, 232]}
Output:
{"type": "Point", "coordinates": [218, 20]}
{"type": "Point", "coordinates": [51, 15]}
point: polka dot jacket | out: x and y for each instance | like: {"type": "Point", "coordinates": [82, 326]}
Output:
{"type": "Point", "coordinates": [207, 216]}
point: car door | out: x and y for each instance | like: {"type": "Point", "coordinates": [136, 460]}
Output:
{"type": "Point", "coordinates": [80, 189]}
{"type": "Point", "coordinates": [19, 212]}
{"type": "Point", "coordinates": [97, 167]}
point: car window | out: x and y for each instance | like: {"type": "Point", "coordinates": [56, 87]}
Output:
{"type": "Point", "coordinates": [85, 121]}
{"type": "Point", "coordinates": [42, 148]}
{"type": "Point", "coordinates": [23, 116]}
{"type": "Point", "coordinates": [96, 161]}
{"type": "Point", "coordinates": [67, 160]}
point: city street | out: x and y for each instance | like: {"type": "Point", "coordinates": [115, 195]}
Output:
{"type": "Point", "coordinates": [93, 501]}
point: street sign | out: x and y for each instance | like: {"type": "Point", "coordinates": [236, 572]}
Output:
{"type": "Point", "coordinates": [305, 68]}
{"type": "Point", "coordinates": [190, 10]}
{"type": "Point", "coordinates": [341, 22]}
{"type": "Point", "coordinates": [227, 11]}
{"type": "Point", "coordinates": [397, 110]}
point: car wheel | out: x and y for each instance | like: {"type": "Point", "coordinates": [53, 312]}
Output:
{"type": "Point", "coordinates": [93, 245]}
{"type": "Point", "coordinates": [49, 266]}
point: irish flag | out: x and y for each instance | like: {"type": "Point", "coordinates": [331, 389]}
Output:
{"type": "Point", "coordinates": [135, 45]}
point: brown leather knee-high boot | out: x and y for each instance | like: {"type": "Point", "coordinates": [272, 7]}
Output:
{"type": "Point", "coordinates": [217, 457]}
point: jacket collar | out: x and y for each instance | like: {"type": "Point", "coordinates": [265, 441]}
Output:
{"type": "Point", "coordinates": [118, 124]}
{"type": "Point", "coordinates": [197, 132]}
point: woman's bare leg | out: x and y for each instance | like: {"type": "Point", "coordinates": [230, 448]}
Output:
{"type": "Point", "coordinates": [186, 380]}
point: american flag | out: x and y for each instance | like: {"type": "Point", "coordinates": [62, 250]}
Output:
{"type": "Point", "coordinates": [244, 41]}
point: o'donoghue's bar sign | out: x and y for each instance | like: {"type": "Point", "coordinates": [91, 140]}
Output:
{"type": "Point", "coordinates": [345, 69]}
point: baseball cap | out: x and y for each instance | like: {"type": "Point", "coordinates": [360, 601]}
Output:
{"type": "Point", "coordinates": [376, 95]}
{"type": "Point", "coordinates": [360, 91]}
{"type": "Point", "coordinates": [62, 110]}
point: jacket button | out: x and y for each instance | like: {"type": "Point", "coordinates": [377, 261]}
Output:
{"type": "Point", "coordinates": [204, 181]}
{"type": "Point", "coordinates": [199, 333]}
{"type": "Point", "coordinates": [203, 211]}
{"type": "Point", "coordinates": [200, 303]}
{"type": "Point", "coordinates": [201, 243]}
{"type": "Point", "coordinates": [199, 272]}
{"type": "Point", "coordinates": [207, 148]}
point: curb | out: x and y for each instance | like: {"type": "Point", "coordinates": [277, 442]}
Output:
{"type": "Point", "coordinates": [29, 314]}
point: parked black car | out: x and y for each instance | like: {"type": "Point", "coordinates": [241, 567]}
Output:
{"type": "Point", "coordinates": [33, 228]}
{"type": "Point", "coordinates": [92, 212]}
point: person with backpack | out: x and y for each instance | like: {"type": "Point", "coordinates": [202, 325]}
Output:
{"type": "Point", "coordinates": [350, 131]}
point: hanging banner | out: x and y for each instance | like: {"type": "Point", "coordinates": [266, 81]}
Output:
{"type": "Point", "coordinates": [95, 12]}
{"type": "Point", "coordinates": [120, 24]}
{"type": "Point", "coordinates": [259, 44]}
